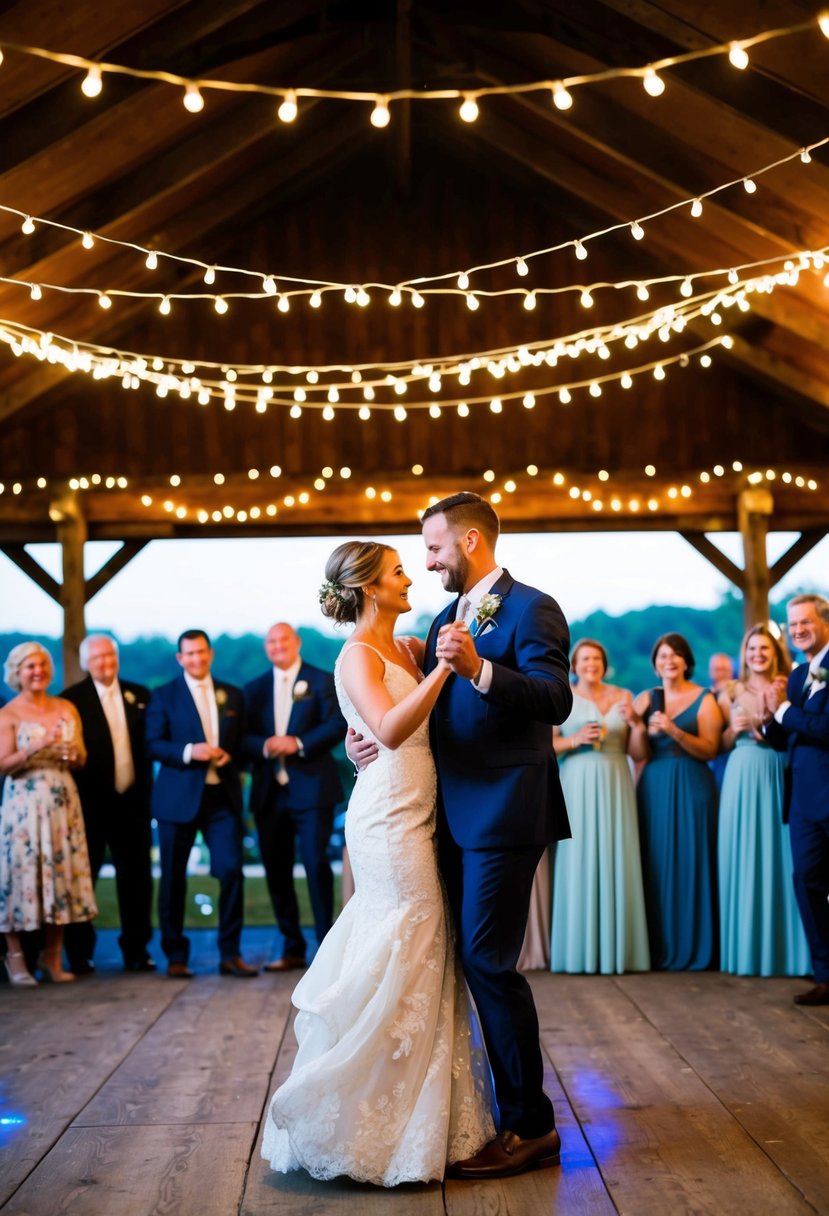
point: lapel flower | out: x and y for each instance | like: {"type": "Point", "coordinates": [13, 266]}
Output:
{"type": "Point", "coordinates": [300, 691]}
{"type": "Point", "coordinates": [221, 698]}
{"type": "Point", "coordinates": [129, 697]}
{"type": "Point", "coordinates": [488, 606]}
{"type": "Point", "coordinates": [821, 676]}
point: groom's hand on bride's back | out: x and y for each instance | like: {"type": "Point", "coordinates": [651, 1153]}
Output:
{"type": "Point", "coordinates": [360, 751]}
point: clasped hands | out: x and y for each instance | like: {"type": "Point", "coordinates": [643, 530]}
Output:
{"type": "Point", "coordinates": [456, 650]}
{"type": "Point", "coordinates": [281, 745]}
{"type": "Point", "coordinates": [210, 755]}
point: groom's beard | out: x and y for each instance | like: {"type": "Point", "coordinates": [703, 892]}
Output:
{"type": "Point", "coordinates": [457, 575]}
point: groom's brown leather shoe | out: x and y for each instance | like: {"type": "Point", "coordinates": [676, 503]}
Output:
{"type": "Point", "coordinates": [508, 1154]}
{"type": "Point", "coordinates": [819, 995]}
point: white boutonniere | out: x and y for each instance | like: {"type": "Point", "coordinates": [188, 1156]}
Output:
{"type": "Point", "coordinates": [221, 697]}
{"type": "Point", "coordinates": [129, 697]}
{"type": "Point", "coordinates": [488, 606]}
{"type": "Point", "coordinates": [300, 691]}
{"type": "Point", "coordinates": [821, 676]}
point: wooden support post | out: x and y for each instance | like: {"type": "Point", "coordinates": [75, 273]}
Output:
{"type": "Point", "coordinates": [402, 114]}
{"type": "Point", "coordinates": [753, 510]}
{"type": "Point", "coordinates": [71, 527]}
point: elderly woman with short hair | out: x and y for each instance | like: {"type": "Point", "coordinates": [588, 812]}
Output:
{"type": "Point", "coordinates": [44, 864]}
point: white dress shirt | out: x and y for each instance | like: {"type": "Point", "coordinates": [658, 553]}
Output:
{"type": "Point", "coordinates": [112, 703]}
{"type": "Point", "coordinates": [204, 696]}
{"type": "Point", "coordinates": [813, 685]}
{"type": "Point", "coordinates": [467, 608]}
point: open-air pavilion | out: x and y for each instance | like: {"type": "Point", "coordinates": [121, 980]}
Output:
{"type": "Point", "coordinates": [324, 295]}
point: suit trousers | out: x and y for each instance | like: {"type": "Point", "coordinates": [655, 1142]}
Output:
{"type": "Point", "coordinates": [123, 823]}
{"type": "Point", "coordinates": [222, 831]}
{"type": "Point", "coordinates": [278, 828]}
{"type": "Point", "coordinates": [810, 856]}
{"type": "Point", "coordinates": [489, 893]}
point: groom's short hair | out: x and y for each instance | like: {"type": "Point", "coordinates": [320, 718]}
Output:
{"type": "Point", "coordinates": [467, 510]}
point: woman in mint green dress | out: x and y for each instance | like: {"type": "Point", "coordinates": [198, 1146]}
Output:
{"type": "Point", "coordinates": [760, 928]}
{"type": "Point", "coordinates": [598, 923]}
{"type": "Point", "coordinates": [677, 801]}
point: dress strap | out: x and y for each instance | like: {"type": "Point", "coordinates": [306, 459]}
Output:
{"type": "Point", "coordinates": [368, 646]}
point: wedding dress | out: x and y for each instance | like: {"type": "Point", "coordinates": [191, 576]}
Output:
{"type": "Point", "coordinates": [390, 1081]}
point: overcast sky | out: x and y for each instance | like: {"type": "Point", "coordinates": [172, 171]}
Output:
{"type": "Point", "coordinates": [241, 586]}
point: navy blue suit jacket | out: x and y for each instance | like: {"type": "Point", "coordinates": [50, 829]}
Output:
{"type": "Point", "coordinates": [172, 722]}
{"type": "Point", "coordinates": [498, 777]}
{"type": "Point", "coordinates": [314, 779]}
{"type": "Point", "coordinates": [804, 733]}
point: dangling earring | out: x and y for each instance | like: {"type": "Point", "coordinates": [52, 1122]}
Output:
{"type": "Point", "coordinates": [374, 601]}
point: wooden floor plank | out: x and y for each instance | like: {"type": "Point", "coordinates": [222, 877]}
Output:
{"type": "Point", "coordinates": [134, 1171]}
{"type": "Point", "coordinates": [767, 1063]}
{"type": "Point", "coordinates": [662, 1138]}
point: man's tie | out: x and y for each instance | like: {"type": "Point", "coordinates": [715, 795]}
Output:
{"type": "Point", "coordinates": [283, 714]}
{"type": "Point", "coordinates": [205, 708]}
{"type": "Point", "coordinates": [463, 609]}
{"type": "Point", "coordinates": [121, 749]}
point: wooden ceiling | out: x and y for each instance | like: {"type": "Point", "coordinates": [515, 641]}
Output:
{"type": "Point", "coordinates": [331, 197]}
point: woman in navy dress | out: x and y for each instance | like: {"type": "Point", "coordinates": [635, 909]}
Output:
{"type": "Point", "coordinates": [677, 801]}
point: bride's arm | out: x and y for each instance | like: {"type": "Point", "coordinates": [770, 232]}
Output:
{"type": "Point", "coordinates": [361, 672]}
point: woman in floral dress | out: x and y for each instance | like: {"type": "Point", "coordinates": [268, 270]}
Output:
{"type": "Point", "coordinates": [44, 865]}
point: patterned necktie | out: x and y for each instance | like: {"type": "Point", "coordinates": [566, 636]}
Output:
{"type": "Point", "coordinates": [283, 714]}
{"type": "Point", "coordinates": [463, 609]}
{"type": "Point", "coordinates": [121, 749]}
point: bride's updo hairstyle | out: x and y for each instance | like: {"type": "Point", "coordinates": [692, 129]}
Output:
{"type": "Point", "coordinates": [350, 567]}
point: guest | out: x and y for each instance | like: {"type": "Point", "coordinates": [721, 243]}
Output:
{"type": "Point", "coordinates": [678, 810]}
{"type": "Point", "coordinates": [194, 729]}
{"type": "Point", "coordinates": [720, 675]}
{"type": "Point", "coordinates": [292, 722]}
{"type": "Point", "coordinates": [598, 903]}
{"type": "Point", "coordinates": [801, 724]}
{"type": "Point", "coordinates": [115, 789]}
{"type": "Point", "coordinates": [760, 930]}
{"type": "Point", "coordinates": [44, 865]}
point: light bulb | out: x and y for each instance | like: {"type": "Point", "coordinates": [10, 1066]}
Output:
{"type": "Point", "coordinates": [289, 109]}
{"type": "Point", "coordinates": [35, 292]}
{"type": "Point", "coordinates": [269, 285]}
{"type": "Point", "coordinates": [696, 208]}
{"type": "Point", "coordinates": [659, 372]}
{"type": "Point", "coordinates": [380, 115]}
{"type": "Point", "coordinates": [529, 301]}
{"type": "Point", "coordinates": [637, 231]}
{"type": "Point", "coordinates": [87, 240]}
{"type": "Point", "coordinates": [562, 100]}
{"type": "Point", "coordinates": [471, 301]}
{"type": "Point", "coordinates": [104, 300]}
{"type": "Point", "coordinates": [586, 299]}
{"type": "Point", "coordinates": [210, 276]}
{"type": "Point", "coordinates": [220, 304]}
{"type": "Point", "coordinates": [28, 226]}
{"type": "Point", "coordinates": [521, 267]}
{"type": "Point", "coordinates": [283, 304]}
{"type": "Point", "coordinates": [328, 414]}
{"type": "Point", "coordinates": [193, 100]}
{"type": "Point", "coordinates": [805, 156]}
{"type": "Point", "coordinates": [152, 260]}
{"type": "Point", "coordinates": [564, 396]}
{"type": "Point", "coordinates": [737, 56]}
{"type": "Point", "coordinates": [417, 299]}
{"type": "Point", "coordinates": [642, 292]}
{"type": "Point", "coordinates": [654, 85]}
{"type": "Point", "coordinates": [595, 389]}
{"type": "Point", "coordinates": [463, 280]}
{"type": "Point", "coordinates": [315, 300]}
{"type": "Point", "coordinates": [687, 288]}
{"type": "Point", "coordinates": [581, 252]}
{"type": "Point", "coordinates": [164, 306]}
{"type": "Point", "coordinates": [92, 84]}
{"type": "Point", "coordinates": [469, 110]}
{"type": "Point", "coordinates": [626, 380]}
{"type": "Point", "coordinates": [749, 185]}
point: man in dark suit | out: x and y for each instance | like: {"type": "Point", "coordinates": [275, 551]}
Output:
{"type": "Point", "coordinates": [114, 788]}
{"type": "Point", "coordinates": [194, 730]}
{"type": "Point", "coordinates": [499, 801]}
{"type": "Point", "coordinates": [801, 726]}
{"type": "Point", "coordinates": [292, 722]}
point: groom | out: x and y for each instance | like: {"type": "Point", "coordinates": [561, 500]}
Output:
{"type": "Point", "coordinates": [499, 802]}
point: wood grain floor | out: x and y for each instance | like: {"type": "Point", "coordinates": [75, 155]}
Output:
{"type": "Point", "coordinates": [137, 1096]}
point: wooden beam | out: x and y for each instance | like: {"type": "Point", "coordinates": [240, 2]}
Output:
{"type": "Point", "coordinates": [25, 562]}
{"type": "Point", "coordinates": [107, 572]}
{"type": "Point", "coordinates": [72, 537]}
{"type": "Point", "coordinates": [708, 550]}
{"type": "Point", "coordinates": [753, 510]}
{"type": "Point", "coordinates": [788, 560]}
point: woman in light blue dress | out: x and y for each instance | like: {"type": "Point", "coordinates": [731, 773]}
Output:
{"type": "Point", "coordinates": [598, 904]}
{"type": "Point", "coordinates": [760, 929]}
{"type": "Point", "coordinates": [677, 801]}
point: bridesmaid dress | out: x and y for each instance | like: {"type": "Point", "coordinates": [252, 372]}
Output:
{"type": "Point", "coordinates": [761, 932]}
{"type": "Point", "coordinates": [598, 903]}
{"type": "Point", "coordinates": [677, 799]}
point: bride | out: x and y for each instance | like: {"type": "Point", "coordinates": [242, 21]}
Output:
{"type": "Point", "coordinates": [390, 1082]}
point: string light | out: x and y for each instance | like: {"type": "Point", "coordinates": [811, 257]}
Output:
{"type": "Point", "coordinates": [469, 109]}
{"type": "Point", "coordinates": [738, 56]}
{"type": "Point", "coordinates": [749, 185]}
{"type": "Point", "coordinates": [562, 98]}
{"type": "Point", "coordinates": [289, 108]}
{"type": "Point", "coordinates": [92, 83]}
{"type": "Point", "coordinates": [193, 100]}
{"type": "Point", "coordinates": [380, 115]}
{"type": "Point", "coordinates": [654, 85]}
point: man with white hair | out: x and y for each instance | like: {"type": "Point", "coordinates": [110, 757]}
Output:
{"type": "Point", "coordinates": [114, 788]}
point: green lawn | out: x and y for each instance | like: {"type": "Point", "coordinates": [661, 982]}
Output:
{"type": "Point", "coordinates": [203, 895]}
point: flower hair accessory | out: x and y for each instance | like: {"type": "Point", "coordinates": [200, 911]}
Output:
{"type": "Point", "coordinates": [331, 588]}
{"type": "Point", "coordinates": [488, 606]}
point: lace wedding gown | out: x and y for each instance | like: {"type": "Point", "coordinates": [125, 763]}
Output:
{"type": "Point", "coordinates": [390, 1081]}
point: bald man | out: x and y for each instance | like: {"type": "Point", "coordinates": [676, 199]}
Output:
{"type": "Point", "coordinates": [293, 721]}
